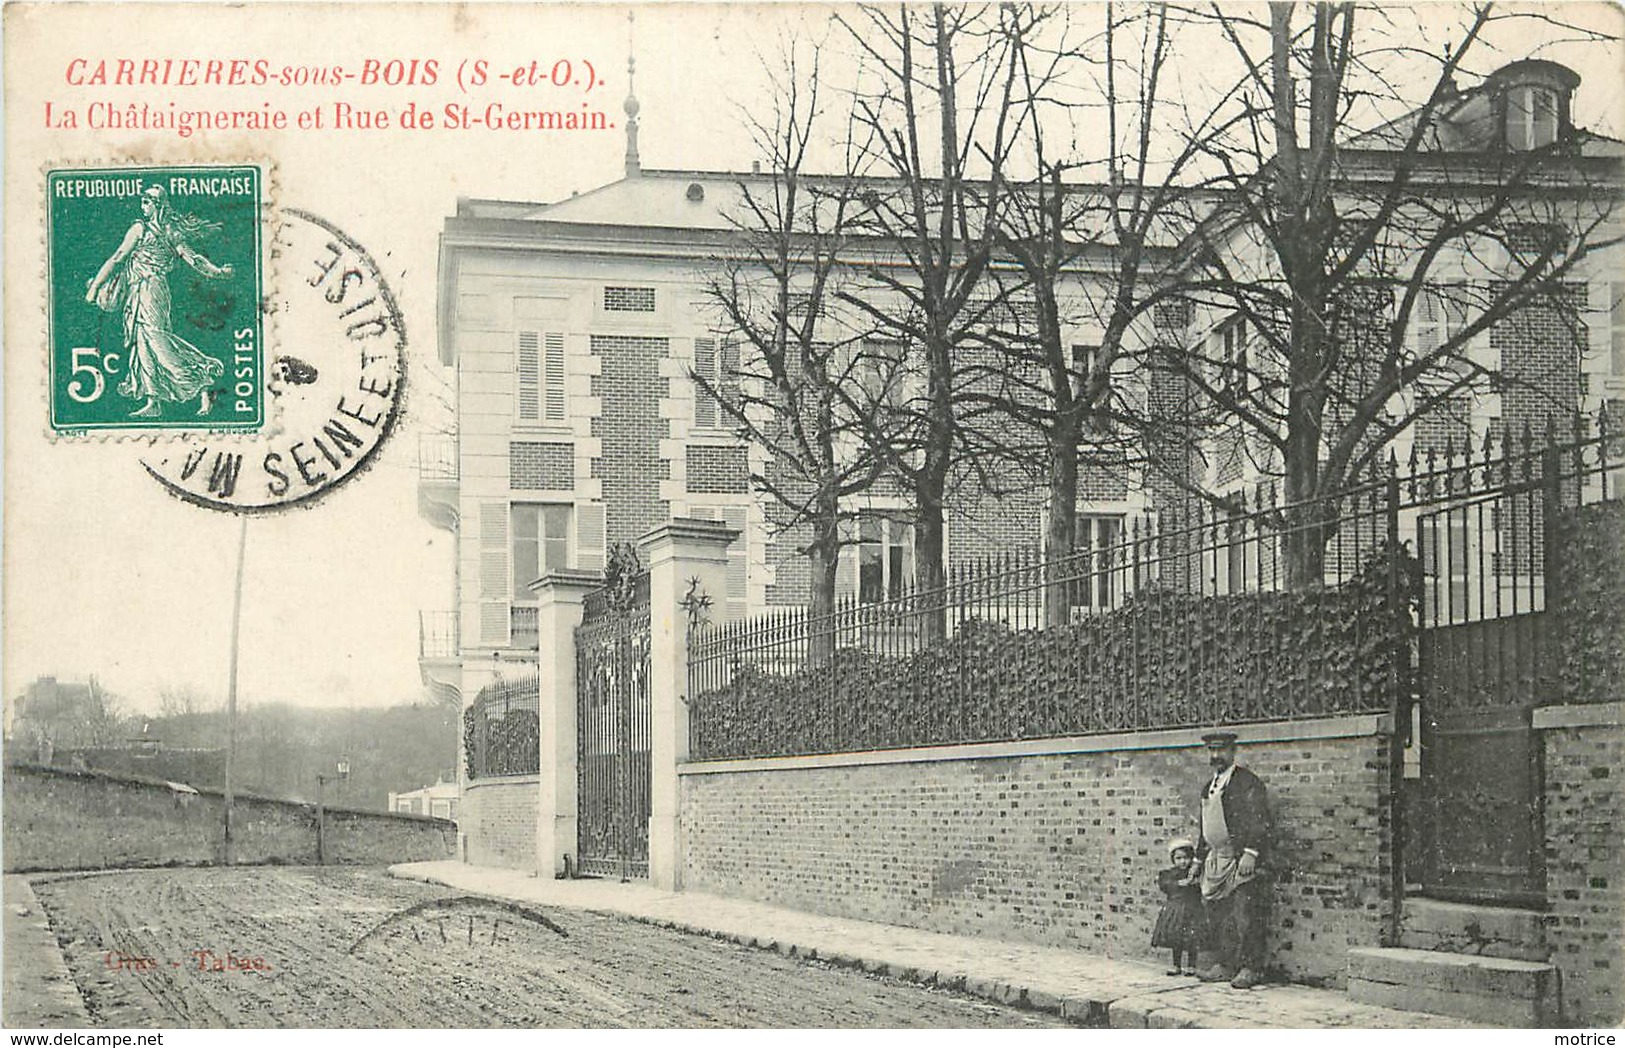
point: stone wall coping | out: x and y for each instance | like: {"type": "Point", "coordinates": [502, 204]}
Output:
{"type": "Point", "coordinates": [1351, 726]}
{"type": "Point", "coordinates": [502, 780]}
{"type": "Point", "coordinates": [1579, 715]}
{"type": "Point", "coordinates": [238, 796]}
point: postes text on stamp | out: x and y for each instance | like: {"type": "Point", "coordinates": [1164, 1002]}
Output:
{"type": "Point", "coordinates": [155, 282]}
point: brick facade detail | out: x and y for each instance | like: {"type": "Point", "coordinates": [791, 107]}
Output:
{"type": "Point", "coordinates": [1585, 870]}
{"type": "Point", "coordinates": [541, 467]}
{"type": "Point", "coordinates": [1060, 850]}
{"type": "Point", "coordinates": [630, 388]}
{"type": "Point", "coordinates": [717, 470]}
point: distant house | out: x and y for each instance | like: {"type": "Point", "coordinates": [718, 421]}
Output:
{"type": "Point", "coordinates": [439, 801]}
{"type": "Point", "coordinates": [52, 714]}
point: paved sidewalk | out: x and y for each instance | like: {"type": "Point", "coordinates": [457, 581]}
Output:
{"type": "Point", "coordinates": [38, 991]}
{"type": "Point", "coordinates": [1096, 991]}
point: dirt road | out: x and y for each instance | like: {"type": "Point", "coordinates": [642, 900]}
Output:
{"type": "Point", "coordinates": [276, 946]}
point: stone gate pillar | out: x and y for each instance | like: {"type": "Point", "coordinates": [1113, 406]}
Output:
{"type": "Point", "coordinates": [677, 553]}
{"type": "Point", "coordinates": [559, 596]}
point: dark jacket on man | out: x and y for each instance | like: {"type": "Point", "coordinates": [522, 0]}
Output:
{"type": "Point", "coordinates": [1246, 813]}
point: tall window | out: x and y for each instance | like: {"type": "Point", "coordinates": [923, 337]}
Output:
{"type": "Point", "coordinates": [539, 373]}
{"type": "Point", "coordinates": [1440, 315]}
{"type": "Point", "coordinates": [885, 557]}
{"type": "Point", "coordinates": [1097, 539]}
{"type": "Point", "coordinates": [1446, 588]}
{"type": "Point", "coordinates": [881, 373]}
{"type": "Point", "coordinates": [716, 367]}
{"type": "Point", "coordinates": [541, 542]}
{"type": "Point", "coordinates": [1230, 350]}
{"type": "Point", "coordinates": [1531, 116]}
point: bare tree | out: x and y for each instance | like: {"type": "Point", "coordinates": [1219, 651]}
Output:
{"type": "Point", "coordinates": [776, 293]}
{"type": "Point", "coordinates": [1365, 244]}
{"type": "Point", "coordinates": [1087, 253]}
{"type": "Point", "coordinates": [936, 111]}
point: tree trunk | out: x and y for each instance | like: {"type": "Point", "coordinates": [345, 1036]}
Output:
{"type": "Point", "coordinates": [1063, 514]}
{"type": "Point", "coordinates": [823, 554]}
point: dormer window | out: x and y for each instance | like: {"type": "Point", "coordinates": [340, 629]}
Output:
{"type": "Point", "coordinates": [1531, 116]}
{"type": "Point", "coordinates": [1532, 100]}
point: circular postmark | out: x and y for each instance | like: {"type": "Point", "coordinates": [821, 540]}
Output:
{"type": "Point", "coordinates": [336, 375]}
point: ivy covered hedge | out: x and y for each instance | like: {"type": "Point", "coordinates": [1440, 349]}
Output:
{"type": "Point", "coordinates": [1588, 597]}
{"type": "Point", "coordinates": [1163, 660]}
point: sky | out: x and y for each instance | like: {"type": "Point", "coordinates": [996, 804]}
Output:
{"type": "Point", "coordinates": [104, 573]}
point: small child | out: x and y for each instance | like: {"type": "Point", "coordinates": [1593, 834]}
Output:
{"type": "Point", "coordinates": [1181, 924]}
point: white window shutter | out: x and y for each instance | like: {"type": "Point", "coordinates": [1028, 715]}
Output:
{"type": "Point", "coordinates": [705, 366]}
{"type": "Point", "coordinates": [494, 614]}
{"type": "Point", "coordinates": [590, 536]}
{"type": "Point", "coordinates": [528, 376]}
{"type": "Point", "coordinates": [738, 560]}
{"type": "Point", "coordinates": [554, 376]}
{"type": "Point", "coordinates": [846, 565]}
{"type": "Point", "coordinates": [494, 624]}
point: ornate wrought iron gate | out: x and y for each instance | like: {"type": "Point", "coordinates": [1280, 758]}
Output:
{"type": "Point", "coordinates": [612, 733]}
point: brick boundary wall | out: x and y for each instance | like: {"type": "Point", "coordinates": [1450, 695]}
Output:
{"type": "Point", "coordinates": [1584, 751]}
{"type": "Point", "coordinates": [57, 819]}
{"type": "Point", "coordinates": [1056, 842]}
{"type": "Point", "coordinates": [497, 818]}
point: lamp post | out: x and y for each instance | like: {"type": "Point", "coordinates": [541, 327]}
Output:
{"type": "Point", "coordinates": [321, 810]}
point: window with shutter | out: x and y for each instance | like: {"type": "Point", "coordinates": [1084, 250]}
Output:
{"type": "Point", "coordinates": [539, 377]}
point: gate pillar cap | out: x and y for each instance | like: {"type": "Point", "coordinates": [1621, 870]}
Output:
{"type": "Point", "coordinates": [690, 536]}
{"type": "Point", "coordinates": [564, 583]}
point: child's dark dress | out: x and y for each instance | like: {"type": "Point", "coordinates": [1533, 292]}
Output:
{"type": "Point", "coordinates": [1182, 924]}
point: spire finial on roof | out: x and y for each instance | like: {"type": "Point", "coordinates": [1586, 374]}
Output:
{"type": "Point", "coordinates": [634, 165]}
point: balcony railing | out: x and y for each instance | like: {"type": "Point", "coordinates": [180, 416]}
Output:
{"type": "Point", "coordinates": [438, 635]}
{"type": "Point", "coordinates": [437, 456]}
{"type": "Point", "coordinates": [522, 626]}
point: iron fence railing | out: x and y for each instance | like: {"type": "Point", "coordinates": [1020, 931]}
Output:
{"type": "Point", "coordinates": [437, 456]}
{"type": "Point", "coordinates": [1157, 610]}
{"type": "Point", "coordinates": [502, 729]}
{"type": "Point", "coordinates": [1478, 514]}
{"type": "Point", "coordinates": [438, 635]}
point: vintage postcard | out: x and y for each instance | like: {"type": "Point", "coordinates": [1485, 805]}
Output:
{"type": "Point", "coordinates": [803, 516]}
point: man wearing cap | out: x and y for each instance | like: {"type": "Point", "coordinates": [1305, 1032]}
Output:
{"type": "Point", "coordinates": [1235, 829]}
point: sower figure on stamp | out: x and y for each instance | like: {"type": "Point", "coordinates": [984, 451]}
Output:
{"type": "Point", "coordinates": [1233, 847]}
{"type": "Point", "coordinates": [134, 281]}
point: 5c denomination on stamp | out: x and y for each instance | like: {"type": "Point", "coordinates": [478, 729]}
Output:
{"type": "Point", "coordinates": [155, 277]}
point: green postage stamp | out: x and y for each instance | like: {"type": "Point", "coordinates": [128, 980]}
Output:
{"type": "Point", "coordinates": [155, 278]}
